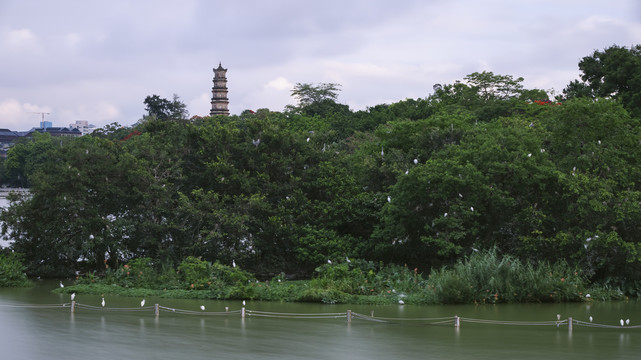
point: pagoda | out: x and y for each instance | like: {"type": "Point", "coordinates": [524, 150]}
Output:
{"type": "Point", "coordinates": [219, 100]}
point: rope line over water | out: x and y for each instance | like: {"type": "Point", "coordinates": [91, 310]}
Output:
{"type": "Point", "coordinates": [349, 315]}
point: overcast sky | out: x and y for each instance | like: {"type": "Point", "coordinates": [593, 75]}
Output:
{"type": "Point", "coordinates": [98, 60]}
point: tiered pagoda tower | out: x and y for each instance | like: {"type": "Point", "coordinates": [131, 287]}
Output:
{"type": "Point", "coordinates": [219, 100]}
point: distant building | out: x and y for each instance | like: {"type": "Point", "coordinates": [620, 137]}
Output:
{"type": "Point", "coordinates": [46, 124]}
{"type": "Point", "coordinates": [7, 137]}
{"type": "Point", "coordinates": [53, 131]}
{"type": "Point", "coordinates": [84, 127]}
{"type": "Point", "coordinates": [219, 100]}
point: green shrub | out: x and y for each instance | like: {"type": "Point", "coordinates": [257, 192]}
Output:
{"type": "Point", "coordinates": [196, 273]}
{"type": "Point", "coordinates": [485, 277]}
{"type": "Point", "coordinates": [12, 272]}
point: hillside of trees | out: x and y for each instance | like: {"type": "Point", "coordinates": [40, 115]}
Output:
{"type": "Point", "coordinates": [479, 164]}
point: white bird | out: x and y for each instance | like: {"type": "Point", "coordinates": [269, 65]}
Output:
{"type": "Point", "coordinates": [202, 307]}
{"type": "Point", "coordinates": [415, 161]}
{"type": "Point", "coordinates": [621, 322]}
{"type": "Point", "coordinates": [256, 142]}
{"type": "Point", "coordinates": [460, 195]}
{"type": "Point", "coordinates": [329, 261]}
{"type": "Point", "coordinates": [102, 302]}
{"type": "Point", "coordinates": [587, 296]}
{"type": "Point", "coordinates": [472, 208]}
{"type": "Point", "coordinates": [73, 296]}
{"type": "Point", "coordinates": [61, 284]}
{"type": "Point", "coordinates": [142, 303]}
{"type": "Point", "coordinates": [627, 321]}
{"type": "Point", "coordinates": [90, 236]}
{"type": "Point", "coordinates": [558, 316]}
{"type": "Point", "coordinates": [389, 198]}
{"type": "Point", "coordinates": [401, 302]}
{"type": "Point", "coordinates": [347, 259]}
{"type": "Point", "coordinates": [233, 263]}
{"type": "Point", "coordinates": [243, 302]}
{"type": "Point", "coordinates": [407, 171]}
{"type": "Point", "coordinates": [445, 215]}
{"type": "Point", "coordinates": [382, 152]}
{"type": "Point", "coordinates": [599, 142]}
{"type": "Point", "coordinates": [590, 318]}
{"type": "Point", "coordinates": [529, 155]}
{"type": "Point", "coordinates": [307, 139]}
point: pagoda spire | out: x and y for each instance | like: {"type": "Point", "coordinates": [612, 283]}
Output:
{"type": "Point", "coordinates": [219, 100]}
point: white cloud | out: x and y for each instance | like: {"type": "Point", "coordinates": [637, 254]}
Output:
{"type": "Point", "coordinates": [98, 61]}
{"type": "Point", "coordinates": [280, 84]}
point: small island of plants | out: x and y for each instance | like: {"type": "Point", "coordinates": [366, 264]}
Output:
{"type": "Point", "coordinates": [482, 278]}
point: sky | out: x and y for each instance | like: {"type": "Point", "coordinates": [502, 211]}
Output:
{"type": "Point", "coordinates": [98, 60]}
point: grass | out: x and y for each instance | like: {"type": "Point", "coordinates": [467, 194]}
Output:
{"type": "Point", "coordinates": [482, 278]}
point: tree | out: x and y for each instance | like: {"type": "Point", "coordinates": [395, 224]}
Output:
{"type": "Point", "coordinates": [163, 109]}
{"type": "Point", "coordinates": [307, 94]}
{"type": "Point", "coordinates": [614, 72]}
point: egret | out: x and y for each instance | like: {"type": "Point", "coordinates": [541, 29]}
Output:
{"type": "Point", "coordinates": [627, 321]}
{"type": "Point", "coordinates": [347, 259]}
{"type": "Point", "coordinates": [407, 171]}
{"type": "Point", "coordinates": [587, 296]}
{"type": "Point", "coordinates": [202, 307]}
{"type": "Point", "coordinates": [307, 139]}
{"type": "Point", "coordinates": [529, 155]}
{"type": "Point", "coordinates": [142, 303]}
{"type": "Point", "coordinates": [102, 302]}
{"type": "Point", "coordinates": [558, 316]}
{"type": "Point", "coordinates": [389, 198]}
{"type": "Point", "coordinates": [415, 161]}
{"type": "Point", "coordinates": [329, 261]}
{"type": "Point", "coordinates": [460, 195]}
{"type": "Point", "coordinates": [233, 263]}
{"type": "Point", "coordinates": [256, 142]}
{"type": "Point", "coordinates": [382, 152]}
{"type": "Point", "coordinates": [590, 318]}
{"type": "Point", "coordinates": [472, 208]}
{"type": "Point", "coordinates": [243, 302]}
{"type": "Point", "coordinates": [621, 322]}
{"type": "Point", "coordinates": [401, 302]}
{"type": "Point", "coordinates": [445, 215]}
{"type": "Point", "coordinates": [61, 284]}
{"type": "Point", "coordinates": [90, 236]}
{"type": "Point", "coordinates": [73, 296]}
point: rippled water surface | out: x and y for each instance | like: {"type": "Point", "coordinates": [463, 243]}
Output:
{"type": "Point", "coordinates": [54, 333]}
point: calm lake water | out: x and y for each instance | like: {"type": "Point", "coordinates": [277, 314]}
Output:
{"type": "Point", "coordinates": [55, 333]}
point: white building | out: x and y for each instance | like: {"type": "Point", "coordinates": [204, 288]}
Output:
{"type": "Point", "coordinates": [84, 127]}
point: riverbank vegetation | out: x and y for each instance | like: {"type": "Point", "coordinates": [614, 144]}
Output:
{"type": "Point", "coordinates": [12, 271]}
{"type": "Point", "coordinates": [481, 278]}
{"type": "Point", "coordinates": [547, 185]}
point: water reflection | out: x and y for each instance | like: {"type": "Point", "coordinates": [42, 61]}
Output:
{"type": "Point", "coordinates": [37, 333]}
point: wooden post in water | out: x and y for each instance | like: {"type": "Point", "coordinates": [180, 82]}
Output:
{"type": "Point", "coordinates": [156, 310]}
{"type": "Point", "coordinates": [457, 321]}
{"type": "Point", "coordinates": [570, 324]}
{"type": "Point", "coordinates": [73, 306]}
{"type": "Point", "coordinates": [242, 312]}
{"type": "Point", "coordinates": [349, 316]}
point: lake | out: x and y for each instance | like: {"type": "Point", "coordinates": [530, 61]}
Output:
{"type": "Point", "coordinates": [34, 332]}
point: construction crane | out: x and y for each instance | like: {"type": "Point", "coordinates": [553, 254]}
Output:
{"type": "Point", "coordinates": [42, 122]}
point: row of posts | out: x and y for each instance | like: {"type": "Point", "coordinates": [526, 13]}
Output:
{"type": "Point", "coordinates": [457, 319]}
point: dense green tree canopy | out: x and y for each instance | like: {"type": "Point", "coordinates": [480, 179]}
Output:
{"type": "Point", "coordinates": [480, 164]}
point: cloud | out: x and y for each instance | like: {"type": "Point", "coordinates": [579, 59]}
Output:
{"type": "Point", "coordinates": [98, 61]}
{"type": "Point", "coordinates": [280, 84]}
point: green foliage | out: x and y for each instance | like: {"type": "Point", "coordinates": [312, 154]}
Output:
{"type": "Point", "coordinates": [12, 271]}
{"type": "Point", "coordinates": [486, 277]}
{"type": "Point", "coordinates": [482, 163]}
